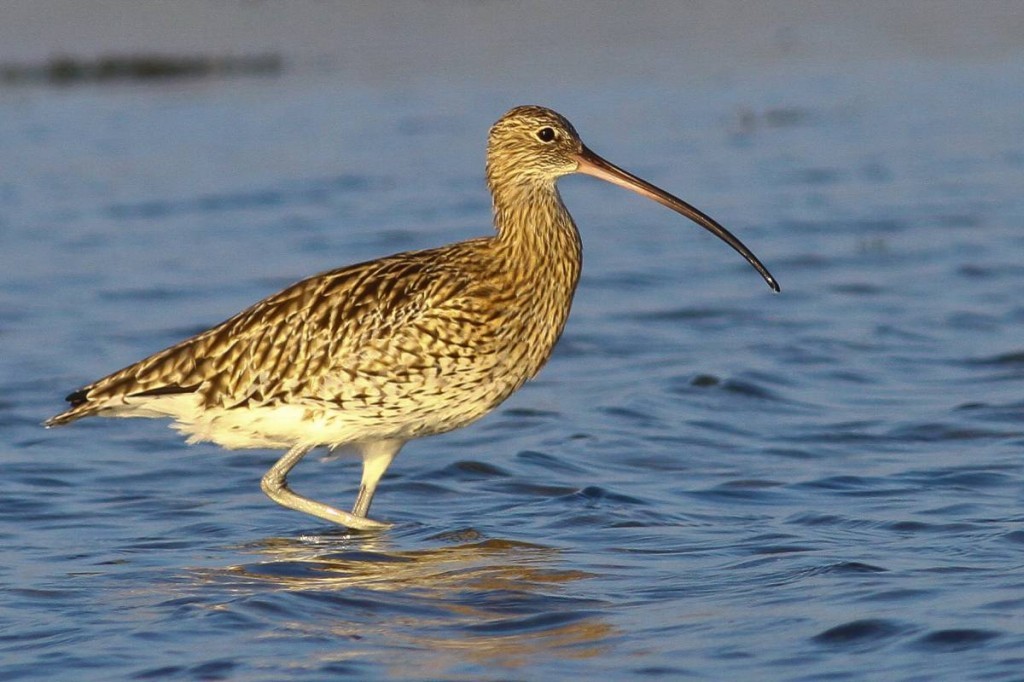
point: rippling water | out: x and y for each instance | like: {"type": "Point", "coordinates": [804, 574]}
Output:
{"type": "Point", "coordinates": [707, 481]}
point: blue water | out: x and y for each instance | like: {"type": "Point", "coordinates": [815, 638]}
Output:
{"type": "Point", "coordinates": [707, 481]}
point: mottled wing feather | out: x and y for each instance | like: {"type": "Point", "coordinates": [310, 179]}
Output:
{"type": "Point", "coordinates": [284, 346]}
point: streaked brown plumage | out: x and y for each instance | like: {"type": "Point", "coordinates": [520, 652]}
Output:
{"type": "Point", "coordinates": [375, 354]}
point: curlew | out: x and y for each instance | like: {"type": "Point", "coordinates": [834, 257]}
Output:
{"type": "Point", "coordinates": [373, 355]}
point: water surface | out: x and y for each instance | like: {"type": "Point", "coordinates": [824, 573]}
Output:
{"type": "Point", "coordinates": [706, 482]}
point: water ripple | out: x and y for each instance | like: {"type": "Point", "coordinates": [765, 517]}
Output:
{"type": "Point", "coordinates": [311, 192]}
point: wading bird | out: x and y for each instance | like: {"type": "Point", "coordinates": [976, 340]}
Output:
{"type": "Point", "coordinates": [373, 355]}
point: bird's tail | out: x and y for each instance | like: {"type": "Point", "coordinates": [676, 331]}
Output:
{"type": "Point", "coordinates": [80, 407]}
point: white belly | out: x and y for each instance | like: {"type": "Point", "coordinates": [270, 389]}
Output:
{"type": "Point", "coordinates": [281, 426]}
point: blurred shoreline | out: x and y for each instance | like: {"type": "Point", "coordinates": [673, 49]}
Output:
{"type": "Point", "coordinates": [488, 40]}
{"type": "Point", "coordinates": [67, 70]}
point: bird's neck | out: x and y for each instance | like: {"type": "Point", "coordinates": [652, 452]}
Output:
{"type": "Point", "coordinates": [538, 254]}
{"type": "Point", "coordinates": [534, 225]}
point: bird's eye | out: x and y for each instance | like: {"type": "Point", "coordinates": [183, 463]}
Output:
{"type": "Point", "coordinates": [545, 134]}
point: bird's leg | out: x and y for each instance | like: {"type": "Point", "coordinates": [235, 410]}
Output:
{"type": "Point", "coordinates": [276, 488]}
{"type": "Point", "coordinates": [377, 456]}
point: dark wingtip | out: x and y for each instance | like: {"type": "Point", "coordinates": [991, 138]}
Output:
{"type": "Point", "coordinates": [77, 398]}
{"type": "Point", "coordinates": [171, 389]}
{"type": "Point", "coordinates": [773, 284]}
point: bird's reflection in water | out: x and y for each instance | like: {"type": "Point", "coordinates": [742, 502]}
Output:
{"type": "Point", "coordinates": [473, 601]}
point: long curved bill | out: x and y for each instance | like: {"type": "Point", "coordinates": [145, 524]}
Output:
{"type": "Point", "coordinates": [592, 164]}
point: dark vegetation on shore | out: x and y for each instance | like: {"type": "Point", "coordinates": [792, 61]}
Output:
{"type": "Point", "coordinates": [68, 70]}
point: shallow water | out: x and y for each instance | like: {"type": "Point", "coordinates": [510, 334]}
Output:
{"type": "Point", "coordinates": [707, 481]}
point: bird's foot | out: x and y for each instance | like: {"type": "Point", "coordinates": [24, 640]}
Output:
{"type": "Point", "coordinates": [363, 523]}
